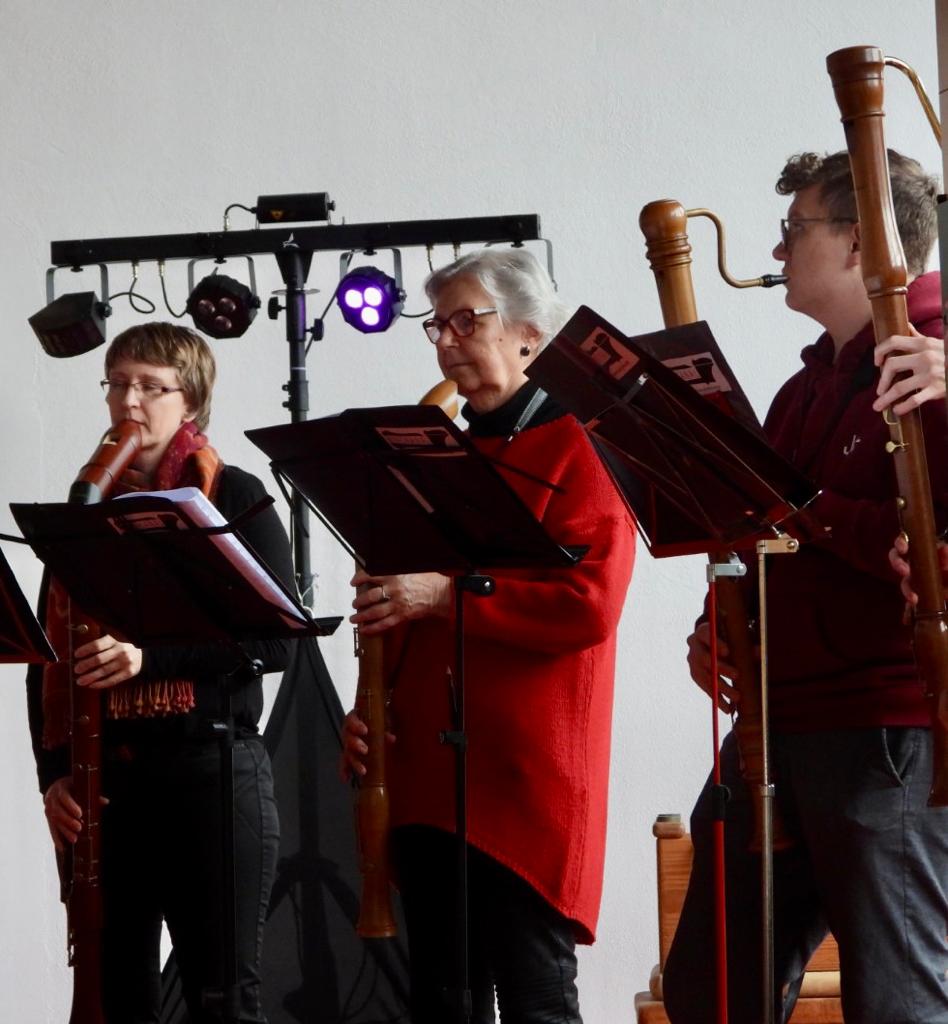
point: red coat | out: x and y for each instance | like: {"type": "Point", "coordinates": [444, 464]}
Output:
{"type": "Point", "coordinates": [539, 672]}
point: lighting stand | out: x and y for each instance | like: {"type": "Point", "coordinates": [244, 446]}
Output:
{"type": "Point", "coordinates": [294, 265]}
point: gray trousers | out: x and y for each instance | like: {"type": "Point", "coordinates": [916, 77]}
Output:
{"type": "Point", "coordinates": [870, 862]}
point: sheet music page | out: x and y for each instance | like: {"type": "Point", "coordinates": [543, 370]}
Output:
{"type": "Point", "coordinates": [188, 505]}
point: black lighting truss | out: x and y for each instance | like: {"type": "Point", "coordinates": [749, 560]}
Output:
{"type": "Point", "coordinates": [515, 228]}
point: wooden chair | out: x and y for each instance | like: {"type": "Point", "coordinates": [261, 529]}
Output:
{"type": "Point", "coordinates": [819, 997]}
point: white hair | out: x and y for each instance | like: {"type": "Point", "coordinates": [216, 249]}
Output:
{"type": "Point", "coordinates": [518, 286]}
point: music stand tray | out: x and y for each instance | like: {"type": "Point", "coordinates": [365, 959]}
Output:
{"type": "Point", "coordinates": [404, 490]}
{"type": "Point", "coordinates": [151, 568]}
{"type": "Point", "coordinates": [697, 477]}
{"type": "Point", "coordinates": [22, 640]}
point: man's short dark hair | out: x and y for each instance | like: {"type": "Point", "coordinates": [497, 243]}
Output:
{"type": "Point", "coordinates": [914, 193]}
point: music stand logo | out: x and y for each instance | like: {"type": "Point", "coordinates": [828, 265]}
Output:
{"type": "Point", "coordinates": [701, 371]}
{"type": "Point", "coordinates": [609, 354]}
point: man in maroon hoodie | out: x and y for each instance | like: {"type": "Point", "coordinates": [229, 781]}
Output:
{"type": "Point", "coordinates": [851, 743]}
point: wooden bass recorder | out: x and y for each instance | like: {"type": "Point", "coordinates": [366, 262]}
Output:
{"type": "Point", "coordinates": [857, 75]}
{"type": "Point", "coordinates": [80, 865]}
{"type": "Point", "coordinates": [664, 224]}
{"type": "Point", "coordinates": [376, 917]}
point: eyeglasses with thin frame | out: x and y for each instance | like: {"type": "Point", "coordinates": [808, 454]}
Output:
{"type": "Point", "coordinates": [147, 390]}
{"type": "Point", "coordinates": [788, 223]}
{"type": "Point", "coordinates": [461, 322]}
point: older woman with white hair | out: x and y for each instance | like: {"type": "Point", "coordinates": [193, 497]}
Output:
{"type": "Point", "coordinates": [539, 678]}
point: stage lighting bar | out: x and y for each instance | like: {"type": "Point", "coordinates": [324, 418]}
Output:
{"type": "Point", "coordinates": [515, 228]}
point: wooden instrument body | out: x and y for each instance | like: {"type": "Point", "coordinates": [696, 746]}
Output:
{"type": "Point", "coordinates": [857, 75]}
{"type": "Point", "coordinates": [82, 865]}
{"type": "Point", "coordinates": [376, 917]}
{"type": "Point", "coordinates": [84, 897]}
{"type": "Point", "coordinates": [664, 224]}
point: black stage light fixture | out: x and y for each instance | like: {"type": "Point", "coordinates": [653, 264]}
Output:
{"type": "Point", "coordinates": [221, 306]}
{"type": "Point", "coordinates": [293, 208]}
{"type": "Point", "coordinates": [368, 298]}
{"type": "Point", "coordinates": [75, 322]}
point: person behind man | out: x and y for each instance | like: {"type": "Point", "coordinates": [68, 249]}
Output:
{"type": "Point", "coordinates": [539, 673]}
{"type": "Point", "coordinates": [161, 778]}
{"type": "Point", "coordinates": [851, 743]}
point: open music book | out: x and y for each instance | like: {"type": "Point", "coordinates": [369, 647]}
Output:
{"type": "Point", "coordinates": [184, 508]}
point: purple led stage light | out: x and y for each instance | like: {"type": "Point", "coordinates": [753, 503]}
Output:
{"type": "Point", "coordinates": [369, 299]}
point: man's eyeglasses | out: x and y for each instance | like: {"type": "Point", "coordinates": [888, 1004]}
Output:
{"type": "Point", "coordinates": [461, 322]}
{"type": "Point", "coordinates": [147, 390]}
{"type": "Point", "coordinates": [790, 227]}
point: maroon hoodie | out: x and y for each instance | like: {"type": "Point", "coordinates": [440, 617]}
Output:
{"type": "Point", "coordinates": [840, 656]}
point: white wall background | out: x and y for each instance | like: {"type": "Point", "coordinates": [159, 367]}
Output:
{"type": "Point", "coordinates": [122, 118]}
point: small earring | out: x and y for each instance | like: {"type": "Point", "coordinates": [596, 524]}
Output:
{"type": "Point", "coordinates": [525, 350]}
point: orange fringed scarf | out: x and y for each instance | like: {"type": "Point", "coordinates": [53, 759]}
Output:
{"type": "Point", "coordinates": [189, 461]}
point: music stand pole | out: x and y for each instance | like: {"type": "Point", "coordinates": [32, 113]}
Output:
{"type": "Point", "coordinates": [782, 545]}
{"type": "Point", "coordinates": [720, 794]}
{"type": "Point", "coordinates": [480, 586]}
{"type": "Point", "coordinates": [223, 728]}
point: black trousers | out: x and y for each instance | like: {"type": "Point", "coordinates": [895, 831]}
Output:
{"type": "Point", "coordinates": [161, 860]}
{"type": "Point", "coordinates": [520, 946]}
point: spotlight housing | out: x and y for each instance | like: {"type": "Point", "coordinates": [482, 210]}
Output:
{"type": "Point", "coordinates": [75, 322]}
{"type": "Point", "coordinates": [294, 207]}
{"type": "Point", "coordinates": [221, 306]}
{"type": "Point", "coordinates": [368, 298]}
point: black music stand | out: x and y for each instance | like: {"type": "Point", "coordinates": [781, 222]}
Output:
{"type": "Point", "coordinates": [22, 640]}
{"type": "Point", "coordinates": [686, 453]}
{"type": "Point", "coordinates": [152, 572]}
{"type": "Point", "coordinates": [697, 477]}
{"type": "Point", "coordinates": [404, 491]}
